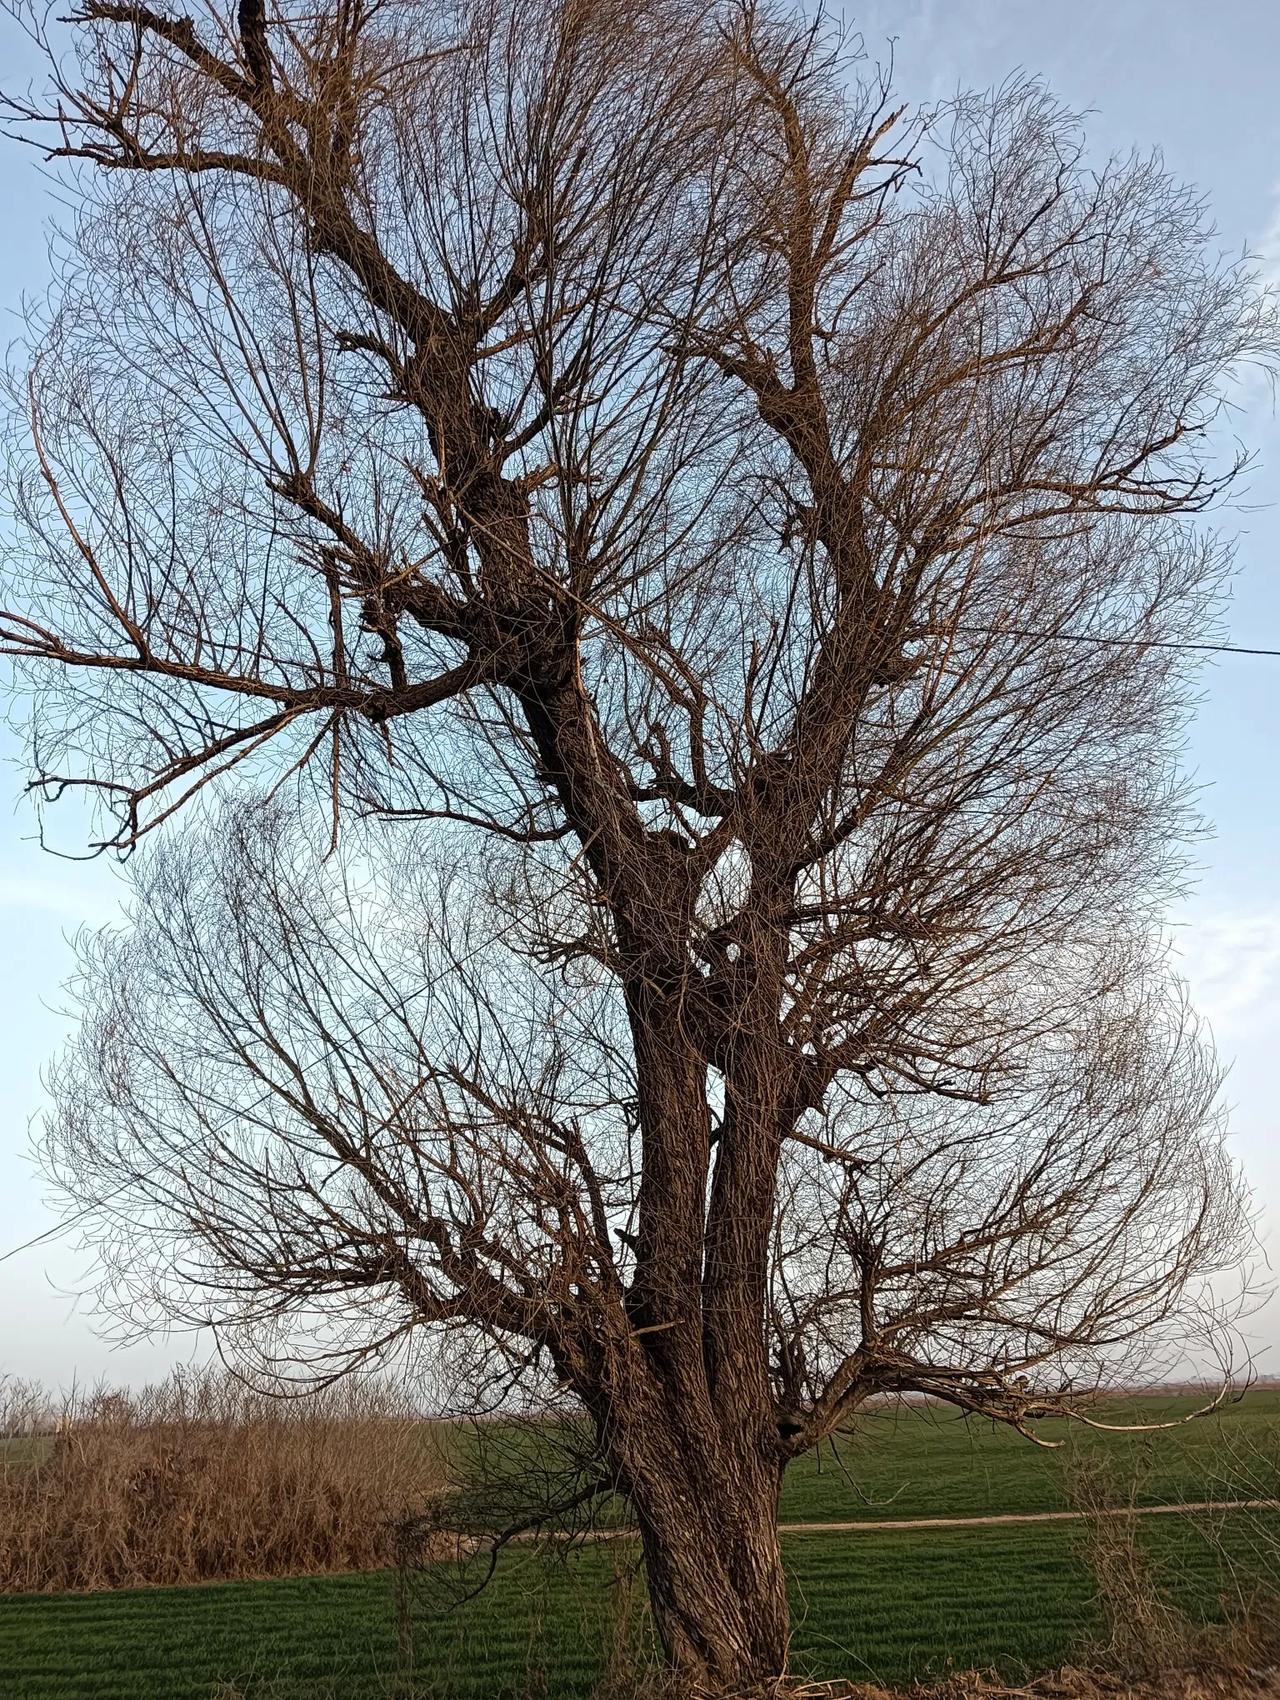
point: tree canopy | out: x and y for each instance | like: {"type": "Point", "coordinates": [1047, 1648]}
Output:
{"type": "Point", "coordinates": [671, 577]}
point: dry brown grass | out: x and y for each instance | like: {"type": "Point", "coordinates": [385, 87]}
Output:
{"type": "Point", "coordinates": [199, 1479]}
{"type": "Point", "coordinates": [1069, 1683]}
{"type": "Point", "coordinates": [1152, 1648]}
{"type": "Point", "coordinates": [1238, 1683]}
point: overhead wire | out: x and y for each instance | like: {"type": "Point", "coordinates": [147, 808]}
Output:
{"type": "Point", "coordinates": [67, 1223]}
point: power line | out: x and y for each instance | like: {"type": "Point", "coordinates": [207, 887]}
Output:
{"type": "Point", "coordinates": [976, 631]}
{"type": "Point", "coordinates": [1115, 642]}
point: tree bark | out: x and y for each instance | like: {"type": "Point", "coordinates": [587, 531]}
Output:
{"type": "Point", "coordinates": [717, 1589]}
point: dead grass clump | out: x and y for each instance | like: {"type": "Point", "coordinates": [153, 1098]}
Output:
{"type": "Point", "coordinates": [199, 1479]}
{"type": "Point", "coordinates": [1152, 1645]}
{"type": "Point", "coordinates": [1145, 1632]}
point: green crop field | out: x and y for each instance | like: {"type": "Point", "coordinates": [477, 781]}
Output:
{"type": "Point", "coordinates": [884, 1604]}
{"type": "Point", "coordinates": [925, 1461]}
{"type": "Point", "coordinates": [23, 1449]}
{"type": "Point", "coordinates": [890, 1606]}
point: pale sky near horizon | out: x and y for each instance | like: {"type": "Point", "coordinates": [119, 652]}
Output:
{"type": "Point", "coordinates": [1205, 87]}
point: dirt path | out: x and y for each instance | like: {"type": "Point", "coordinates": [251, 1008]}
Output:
{"type": "Point", "coordinates": [880, 1525]}
{"type": "Point", "coordinates": [995, 1518]}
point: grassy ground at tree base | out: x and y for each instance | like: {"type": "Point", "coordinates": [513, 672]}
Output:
{"type": "Point", "coordinates": [892, 1608]}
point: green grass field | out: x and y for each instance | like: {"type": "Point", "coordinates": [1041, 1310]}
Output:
{"type": "Point", "coordinates": [925, 1461]}
{"type": "Point", "coordinates": [889, 1605]}
{"type": "Point", "coordinates": [914, 1461]}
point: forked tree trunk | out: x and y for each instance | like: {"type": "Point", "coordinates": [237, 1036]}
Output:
{"type": "Point", "coordinates": [688, 1424]}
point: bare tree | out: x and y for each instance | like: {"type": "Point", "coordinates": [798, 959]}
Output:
{"type": "Point", "coordinates": [722, 545]}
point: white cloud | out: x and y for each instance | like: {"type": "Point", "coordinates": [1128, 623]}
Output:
{"type": "Point", "coordinates": [71, 901]}
{"type": "Point", "coordinates": [1267, 247]}
{"type": "Point", "coordinates": [1232, 963]}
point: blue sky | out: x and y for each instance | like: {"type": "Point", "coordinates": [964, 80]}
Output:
{"type": "Point", "coordinates": [1202, 84]}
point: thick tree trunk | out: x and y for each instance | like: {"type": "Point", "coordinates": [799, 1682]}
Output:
{"type": "Point", "coordinates": [686, 1411]}
{"type": "Point", "coordinates": [708, 1526]}
{"type": "Point", "coordinates": [719, 1599]}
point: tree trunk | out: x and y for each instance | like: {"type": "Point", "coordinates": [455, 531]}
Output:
{"type": "Point", "coordinates": [723, 1626]}
{"type": "Point", "coordinates": [688, 1418]}
{"type": "Point", "coordinates": [717, 1589]}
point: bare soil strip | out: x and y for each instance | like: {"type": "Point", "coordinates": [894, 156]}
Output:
{"type": "Point", "coordinates": [624, 1532]}
{"type": "Point", "coordinates": [1026, 1517]}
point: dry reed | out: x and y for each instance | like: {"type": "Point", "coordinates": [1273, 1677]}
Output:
{"type": "Point", "coordinates": [199, 1478]}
